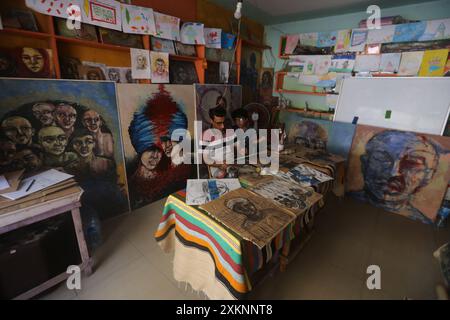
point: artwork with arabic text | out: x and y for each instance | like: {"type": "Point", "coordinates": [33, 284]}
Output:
{"type": "Point", "coordinates": [102, 13]}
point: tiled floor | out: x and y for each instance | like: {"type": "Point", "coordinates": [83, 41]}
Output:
{"type": "Point", "coordinates": [349, 237]}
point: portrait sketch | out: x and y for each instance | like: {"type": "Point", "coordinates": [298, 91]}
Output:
{"type": "Point", "coordinates": [252, 217]}
{"type": "Point", "coordinates": [291, 196]}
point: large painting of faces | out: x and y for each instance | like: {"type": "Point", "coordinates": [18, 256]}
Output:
{"type": "Point", "coordinates": [149, 115]}
{"type": "Point", "coordinates": [334, 137]}
{"type": "Point", "coordinates": [72, 125]}
{"type": "Point", "coordinates": [401, 172]}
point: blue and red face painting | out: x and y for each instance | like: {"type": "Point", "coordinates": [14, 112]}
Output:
{"type": "Point", "coordinates": [396, 166]}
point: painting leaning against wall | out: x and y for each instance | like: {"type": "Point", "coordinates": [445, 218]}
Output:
{"type": "Point", "coordinates": [334, 137]}
{"type": "Point", "coordinates": [149, 115]}
{"type": "Point", "coordinates": [72, 125]}
{"type": "Point", "coordinates": [401, 172]}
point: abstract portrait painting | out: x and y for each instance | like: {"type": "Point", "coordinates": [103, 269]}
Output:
{"type": "Point", "coordinates": [401, 172]}
{"type": "Point", "coordinates": [71, 125]}
{"type": "Point", "coordinates": [149, 115]}
{"type": "Point", "coordinates": [334, 137]}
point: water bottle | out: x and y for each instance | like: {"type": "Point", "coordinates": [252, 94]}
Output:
{"type": "Point", "coordinates": [94, 233]}
{"type": "Point", "coordinates": [92, 228]}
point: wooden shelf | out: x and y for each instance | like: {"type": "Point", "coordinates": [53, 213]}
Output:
{"type": "Point", "coordinates": [279, 78]}
{"type": "Point", "coordinates": [92, 44]}
{"type": "Point", "coordinates": [26, 33]}
{"type": "Point", "coordinates": [85, 50]}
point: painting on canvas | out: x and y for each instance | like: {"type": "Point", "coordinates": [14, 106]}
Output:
{"type": "Point", "coordinates": [398, 171]}
{"type": "Point", "coordinates": [149, 115]}
{"type": "Point", "coordinates": [334, 137]}
{"type": "Point", "coordinates": [72, 125]}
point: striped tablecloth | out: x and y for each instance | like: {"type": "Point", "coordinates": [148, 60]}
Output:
{"type": "Point", "coordinates": [209, 256]}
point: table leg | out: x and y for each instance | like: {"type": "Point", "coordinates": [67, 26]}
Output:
{"type": "Point", "coordinates": [86, 260]}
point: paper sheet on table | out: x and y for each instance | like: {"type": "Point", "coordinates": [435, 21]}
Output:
{"type": "Point", "coordinates": [13, 179]}
{"type": "Point", "coordinates": [41, 181]}
{"type": "Point", "coordinates": [4, 184]}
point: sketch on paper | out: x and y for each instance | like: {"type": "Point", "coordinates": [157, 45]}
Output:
{"type": "Point", "coordinates": [192, 33]}
{"type": "Point", "coordinates": [140, 64]}
{"type": "Point", "coordinates": [167, 27]}
{"type": "Point", "coordinates": [249, 215]}
{"type": "Point", "coordinates": [201, 191]}
{"type": "Point", "coordinates": [288, 195]}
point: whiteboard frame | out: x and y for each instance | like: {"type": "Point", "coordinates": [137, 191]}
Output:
{"type": "Point", "coordinates": [376, 79]}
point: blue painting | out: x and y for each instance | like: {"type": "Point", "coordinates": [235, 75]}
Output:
{"type": "Point", "coordinates": [409, 31]}
{"type": "Point", "coordinates": [398, 171]}
{"type": "Point", "coordinates": [334, 137]}
{"type": "Point", "coordinates": [70, 125]}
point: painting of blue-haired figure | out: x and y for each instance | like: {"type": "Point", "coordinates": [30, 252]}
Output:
{"type": "Point", "coordinates": [332, 137]}
{"type": "Point", "coordinates": [401, 172]}
{"type": "Point", "coordinates": [69, 125]}
{"type": "Point", "coordinates": [149, 115]}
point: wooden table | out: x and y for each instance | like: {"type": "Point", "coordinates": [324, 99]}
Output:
{"type": "Point", "coordinates": [22, 215]}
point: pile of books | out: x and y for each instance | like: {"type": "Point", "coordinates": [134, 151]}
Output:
{"type": "Point", "coordinates": [17, 191]}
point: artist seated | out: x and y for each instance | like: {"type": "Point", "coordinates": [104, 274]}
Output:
{"type": "Point", "coordinates": [241, 120]}
{"type": "Point", "coordinates": [218, 160]}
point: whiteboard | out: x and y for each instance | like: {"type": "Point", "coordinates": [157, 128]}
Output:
{"type": "Point", "coordinates": [416, 104]}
